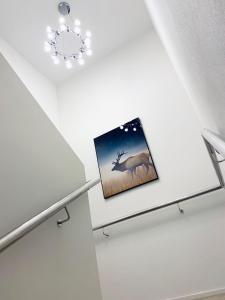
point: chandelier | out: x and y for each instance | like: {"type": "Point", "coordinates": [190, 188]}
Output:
{"type": "Point", "coordinates": [56, 36]}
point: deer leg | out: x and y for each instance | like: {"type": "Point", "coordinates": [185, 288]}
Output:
{"type": "Point", "coordinates": [132, 173]}
{"type": "Point", "coordinates": [136, 173]}
{"type": "Point", "coordinates": [147, 168]}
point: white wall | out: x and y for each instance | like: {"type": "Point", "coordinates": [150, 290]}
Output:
{"type": "Point", "coordinates": [145, 263]}
{"type": "Point", "coordinates": [191, 32]}
{"type": "Point", "coordinates": [39, 168]}
{"type": "Point", "coordinates": [42, 89]}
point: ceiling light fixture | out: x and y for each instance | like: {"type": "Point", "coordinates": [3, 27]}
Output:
{"type": "Point", "coordinates": [52, 44]}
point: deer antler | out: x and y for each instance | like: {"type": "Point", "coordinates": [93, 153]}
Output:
{"type": "Point", "coordinates": [119, 155]}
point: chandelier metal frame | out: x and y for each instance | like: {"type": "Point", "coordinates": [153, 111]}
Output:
{"type": "Point", "coordinates": [52, 44]}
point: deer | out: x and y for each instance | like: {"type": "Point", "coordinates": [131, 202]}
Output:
{"type": "Point", "coordinates": [131, 163]}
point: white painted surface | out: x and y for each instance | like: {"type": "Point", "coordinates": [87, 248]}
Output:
{"type": "Point", "coordinates": [38, 168]}
{"type": "Point", "coordinates": [164, 255]}
{"type": "Point", "coordinates": [113, 23]}
{"type": "Point", "coordinates": [43, 90]}
{"type": "Point", "coordinates": [192, 32]}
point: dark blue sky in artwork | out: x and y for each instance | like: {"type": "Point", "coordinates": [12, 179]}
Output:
{"type": "Point", "coordinates": [129, 138]}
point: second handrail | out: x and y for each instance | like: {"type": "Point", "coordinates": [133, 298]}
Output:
{"type": "Point", "coordinates": [25, 228]}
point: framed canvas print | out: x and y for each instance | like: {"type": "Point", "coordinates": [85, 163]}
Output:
{"type": "Point", "coordinates": [124, 158]}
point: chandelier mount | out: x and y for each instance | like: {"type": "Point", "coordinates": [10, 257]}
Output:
{"type": "Point", "coordinates": [64, 8]}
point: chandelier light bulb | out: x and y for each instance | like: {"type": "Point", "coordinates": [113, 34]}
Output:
{"type": "Point", "coordinates": [62, 20]}
{"type": "Point", "coordinates": [48, 29]}
{"type": "Point", "coordinates": [54, 56]}
{"type": "Point", "coordinates": [81, 61]}
{"type": "Point", "coordinates": [47, 47]}
{"type": "Point", "coordinates": [79, 55]}
{"type": "Point", "coordinates": [77, 22]}
{"type": "Point", "coordinates": [89, 52]}
{"type": "Point", "coordinates": [68, 64]}
{"type": "Point", "coordinates": [88, 42]}
{"type": "Point", "coordinates": [51, 35]}
{"type": "Point", "coordinates": [77, 30]}
{"type": "Point", "coordinates": [56, 60]}
{"type": "Point", "coordinates": [63, 27]}
{"type": "Point", "coordinates": [88, 34]}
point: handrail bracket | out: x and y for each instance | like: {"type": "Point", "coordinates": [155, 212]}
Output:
{"type": "Point", "coordinates": [60, 222]}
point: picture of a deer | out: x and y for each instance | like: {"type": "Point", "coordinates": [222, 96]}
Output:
{"type": "Point", "coordinates": [132, 162]}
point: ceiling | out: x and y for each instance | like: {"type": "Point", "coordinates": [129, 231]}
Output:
{"type": "Point", "coordinates": [193, 32]}
{"type": "Point", "coordinates": [112, 23]}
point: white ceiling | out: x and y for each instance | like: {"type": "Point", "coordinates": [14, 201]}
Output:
{"type": "Point", "coordinates": [193, 32]}
{"type": "Point", "coordinates": [112, 23]}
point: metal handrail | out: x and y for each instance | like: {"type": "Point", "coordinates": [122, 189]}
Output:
{"type": "Point", "coordinates": [159, 207]}
{"type": "Point", "coordinates": [25, 228]}
{"type": "Point", "coordinates": [215, 141]}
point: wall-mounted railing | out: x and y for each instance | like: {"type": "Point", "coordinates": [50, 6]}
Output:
{"type": "Point", "coordinates": [22, 230]}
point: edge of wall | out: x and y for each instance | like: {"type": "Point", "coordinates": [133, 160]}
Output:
{"type": "Point", "coordinates": [39, 86]}
{"type": "Point", "coordinates": [200, 295]}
